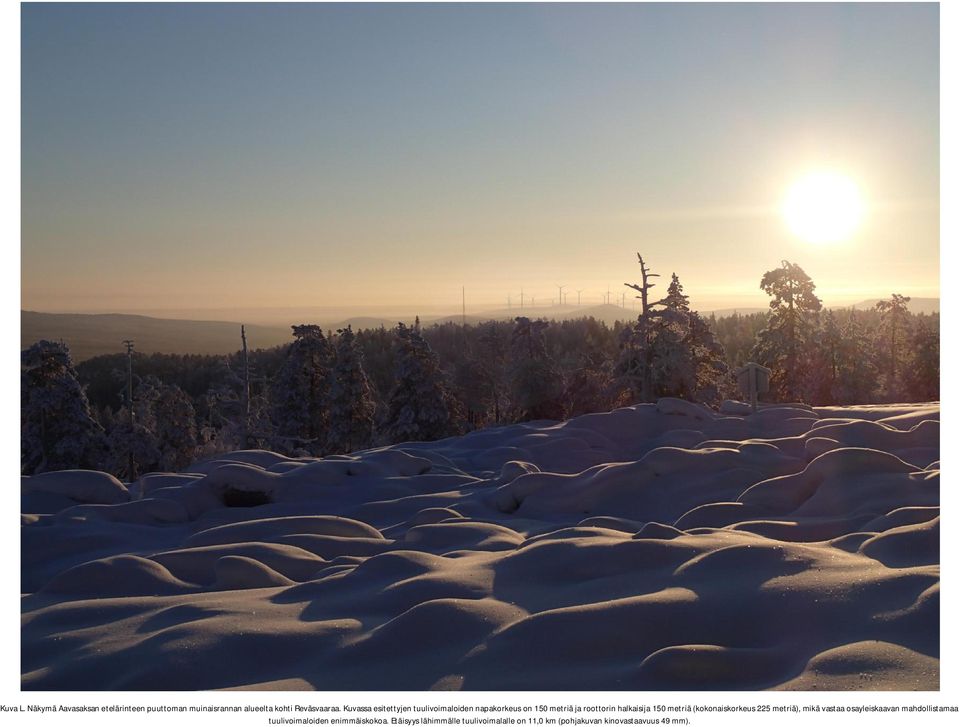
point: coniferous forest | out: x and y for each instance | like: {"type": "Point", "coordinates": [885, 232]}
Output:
{"type": "Point", "coordinates": [334, 392]}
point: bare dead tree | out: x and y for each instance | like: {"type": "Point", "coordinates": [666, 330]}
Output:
{"type": "Point", "coordinates": [643, 322]}
{"type": "Point", "coordinates": [644, 287]}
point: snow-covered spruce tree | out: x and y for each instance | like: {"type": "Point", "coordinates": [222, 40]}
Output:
{"type": "Point", "coordinates": [350, 404]}
{"type": "Point", "coordinates": [712, 380]}
{"type": "Point", "coordinates": [419, 408]}
{"type": "Point", "coordinates": [57, 430]}
{"type": "Point", "coordinates": [786, 343]}
{"type": "Point", "coordinates": [175, 428]}
{"type": "Point", "coordinates": [146, 394]}
{"type": "Point", "coordinates": [126, 439]}
{"type": "Point", "coordinates": [140, 438]}
{"type": "Point", "coordinates": [536, 384]}
{"type": "Point", "coordinates": [299, 392]}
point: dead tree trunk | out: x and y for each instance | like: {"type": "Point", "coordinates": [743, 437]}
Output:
{"type": "Point", "coordinates": [643, 322]}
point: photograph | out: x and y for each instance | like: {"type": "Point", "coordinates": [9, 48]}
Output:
{"type": "Point", "coordinates": [479, 347]}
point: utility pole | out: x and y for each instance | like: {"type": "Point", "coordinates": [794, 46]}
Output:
{"type": "Point", "coordinates": [131, 465]}
{"type": "Point", "coordinates": [246, 388]}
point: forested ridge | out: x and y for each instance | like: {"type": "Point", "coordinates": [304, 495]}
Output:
{"type": "Point", "coordinates": [333, 392]}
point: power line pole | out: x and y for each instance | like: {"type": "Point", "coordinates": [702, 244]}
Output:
{"type": "Point", "coordinates": [131, 465]}
{"type": "Point", "coordinates": [246, 389]}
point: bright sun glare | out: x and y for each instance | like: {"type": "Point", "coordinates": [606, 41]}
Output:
{"type": "Point", "coordinates": [823, 207]}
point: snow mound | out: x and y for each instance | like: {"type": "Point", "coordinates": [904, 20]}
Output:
{"type": "Point", "coordinates": [81, 486]}
{"type": "Point", "coordinates": [658, 546]}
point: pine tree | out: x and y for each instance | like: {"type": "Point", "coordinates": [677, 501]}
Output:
{"type": "Point", "coordinates": [856, 379]}
{"type": "Point", "coordinates": [419, 407]}
{"type": "Point", "coordinates": [786, 343]}
{"type": "Point", "coordinates": [300, 390]}
{"type": "Point", "coordinates": [822, 383]}
{"type": "Point", "coordinates": [893, 329]}
{"type": "Point", "coordinates": [350, 402]}
{"type": "Point", "coordinates": [57, 430]}
{"type": "Point", "coordinates": [923, 379]}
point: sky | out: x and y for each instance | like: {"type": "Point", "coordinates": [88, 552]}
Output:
{"type": "Point", "coordinates": [218, 156]}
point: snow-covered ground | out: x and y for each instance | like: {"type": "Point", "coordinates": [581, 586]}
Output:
{"type": "Point", "coordinates": [653, 547]}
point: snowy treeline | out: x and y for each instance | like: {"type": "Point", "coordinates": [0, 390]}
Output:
{"type": "Point", "coordinates": [332, 393]}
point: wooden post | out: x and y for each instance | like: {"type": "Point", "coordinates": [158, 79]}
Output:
{"type": "Point", "coordinates": [754, 379]}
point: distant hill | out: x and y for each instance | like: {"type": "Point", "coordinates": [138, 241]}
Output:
{"type": "Point", "coordinates": [91, 335]}
{"type": "Point", "coordinates": [916, 305]}
{"type": "Point", "coordinates": [727, 312]}
{"type": "Point", "coordinates": [609, 314]}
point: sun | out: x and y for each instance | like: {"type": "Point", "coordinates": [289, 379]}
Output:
{"type": "Point", "coordinates": [823, 207]}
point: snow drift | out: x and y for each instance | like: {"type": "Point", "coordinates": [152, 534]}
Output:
{"type": "Point", "coordinates": [653, 547]}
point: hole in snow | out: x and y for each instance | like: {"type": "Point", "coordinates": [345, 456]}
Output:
{"type": "Point", "coordinates": [233, 497]}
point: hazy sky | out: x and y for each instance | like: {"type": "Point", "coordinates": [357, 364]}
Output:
{"type": "Point", "coordinates": [212, 156]}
